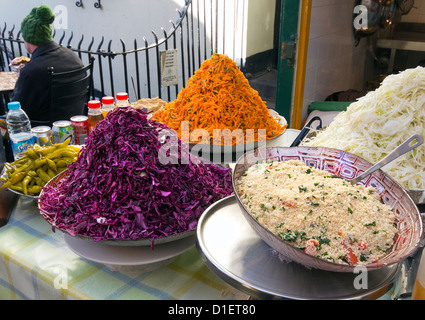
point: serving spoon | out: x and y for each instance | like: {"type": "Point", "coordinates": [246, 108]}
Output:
{"type": "Point", "coordinates": [397, 152]}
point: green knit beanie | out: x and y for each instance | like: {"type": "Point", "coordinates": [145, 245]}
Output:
{"type": "Point", "coordinates": [36, 27]}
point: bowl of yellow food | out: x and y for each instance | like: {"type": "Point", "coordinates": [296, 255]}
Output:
{"type": "Point", "coordinates": [289, 197]}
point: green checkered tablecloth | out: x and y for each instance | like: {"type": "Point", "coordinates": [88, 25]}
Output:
{"type": "Point", "coordinates": [36, 263]}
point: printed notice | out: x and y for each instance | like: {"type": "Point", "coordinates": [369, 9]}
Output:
{"type": "Point", "coordinates": [169, 73]}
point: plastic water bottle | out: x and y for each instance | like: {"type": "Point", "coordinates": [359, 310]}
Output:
{"type": "Point", "coordinates": [19, 129]}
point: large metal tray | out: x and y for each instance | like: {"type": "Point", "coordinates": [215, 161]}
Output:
{"type": "Point", "coordinates": [417, 195]}
{"type": "Point", "coordinates": [234, 251]}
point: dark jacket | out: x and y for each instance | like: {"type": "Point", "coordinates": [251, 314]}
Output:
{"type": "Point", "coordinates": [32, 87]}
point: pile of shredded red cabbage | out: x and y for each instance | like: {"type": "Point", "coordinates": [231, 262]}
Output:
{"type": "Point", "coordinates": [119, 189]}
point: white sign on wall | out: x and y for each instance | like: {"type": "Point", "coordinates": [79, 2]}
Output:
{"type": "Point", "coordinates": [169, 68]}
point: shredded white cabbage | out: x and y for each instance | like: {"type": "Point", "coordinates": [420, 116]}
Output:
{"type": "Point", "coordinates": [381, 120]}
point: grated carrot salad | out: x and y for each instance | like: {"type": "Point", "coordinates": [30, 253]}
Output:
{"type": "Point", "coordinates": [218, 96]}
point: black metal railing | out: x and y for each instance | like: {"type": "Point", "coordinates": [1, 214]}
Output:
{"type": "Point", "coordinates": [137, 70]}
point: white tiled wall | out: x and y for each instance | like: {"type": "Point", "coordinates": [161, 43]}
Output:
{"type": "Point", "coordinates": [333, 63]}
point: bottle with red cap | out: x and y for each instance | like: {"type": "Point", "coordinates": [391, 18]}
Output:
{"type": "Point", "coordinates": [94, 113]}
{"type": "Point", "coordinates": [108, 104]}
{"type": "Point", "coordinates": [122, 99]}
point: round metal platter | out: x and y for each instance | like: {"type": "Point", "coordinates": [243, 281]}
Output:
{"type": "Point", "coordinates": [234, 251]}
{"type": "Point", "coordinates": [133, 242]}
{"type": "Point", "coordinates": [128, 258]}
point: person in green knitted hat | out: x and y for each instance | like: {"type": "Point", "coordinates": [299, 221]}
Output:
{"type": "Point", "coordinates": [32, 87]}
{"type": "Point", "coordinates": [36, 27]}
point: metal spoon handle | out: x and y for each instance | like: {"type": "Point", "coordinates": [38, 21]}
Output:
{"type": "Point", "coordinates": [397, 152]}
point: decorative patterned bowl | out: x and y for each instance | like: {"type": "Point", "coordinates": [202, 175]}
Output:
{"type": "Point", "coordinates": [408, 218]}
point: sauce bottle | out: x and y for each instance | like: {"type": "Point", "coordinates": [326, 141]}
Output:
{"type": "Point", "coordinates": [108, 104]}
{"type": "Point", "coordinates": [94, 113]}
{"type": "Point", "coordinates": [122, 99]}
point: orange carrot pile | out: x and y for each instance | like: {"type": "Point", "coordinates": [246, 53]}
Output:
{"type": "Point", "coordinates": [219, 97]}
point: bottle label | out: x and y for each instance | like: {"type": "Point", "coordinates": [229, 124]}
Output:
{"type": "Point", "coordinates": [20, 143]}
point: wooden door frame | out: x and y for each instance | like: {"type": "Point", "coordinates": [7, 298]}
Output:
{"type": "Point", "coordinates": [292, 59]}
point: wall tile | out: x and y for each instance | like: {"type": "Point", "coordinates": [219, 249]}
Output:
{"type": "Point", "coordinates": [334, 63]}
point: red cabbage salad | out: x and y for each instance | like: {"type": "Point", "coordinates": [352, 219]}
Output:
{"type": "Point", "coordinates": [120, 189]}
